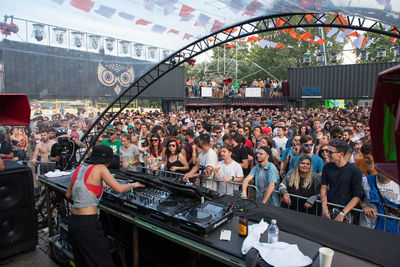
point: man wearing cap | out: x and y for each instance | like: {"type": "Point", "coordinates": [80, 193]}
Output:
{"type": "Point", "coordinates": [266, 178]}
{"type": "Point", "coordinates": [112, 141]}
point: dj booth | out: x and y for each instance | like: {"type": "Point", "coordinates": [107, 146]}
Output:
{"type": "Point", "coordinates": [141, 210]}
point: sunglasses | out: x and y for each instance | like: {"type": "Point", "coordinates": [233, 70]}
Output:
{"type": "Point", "coordinates": [218, 132]}
{"type": "Point", "coordinates": [172, 145]}
{"type": "Point", "coordinates": [296, 139]}
{"type": "Point", "coordinates": [332, 152]}
{"type": "Point", "coordinates": [308, 145]}
{"type": "Point", "coordinates": [324, 151]}
{"type": "Point", "coordinates": [154, 140]}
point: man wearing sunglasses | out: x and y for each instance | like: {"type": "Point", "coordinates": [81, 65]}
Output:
{"type": "Point", "coordinates": [340, 182]}
{"type": "Point", "coordinates": [307, 147]}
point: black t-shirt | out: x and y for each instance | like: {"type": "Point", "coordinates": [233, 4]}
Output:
{"type": "Point", "coordinates": [5, 148]}
{"type": "Point", "coordinates": [343, 183]}
{"type": "Point", "coordinates": [239, 154]}
{"type": "Point", "coordinates": [67, 155]}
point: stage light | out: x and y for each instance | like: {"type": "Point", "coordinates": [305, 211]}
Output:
{"type": "Point", "coordinates": [307, 58]}
{"type": "Point", "coordinates": [152, 52]}
{"type": "Point", "coordinates": [138, 49]}
{"type": "Point", "coordinates": [38, 31]}
{"type": "Point", "coordinates": [364, 54]}
{"type": "Point", "coordinates": [60, 33]}
{"type": "Point", "coordinates": [334, 57]}
{"type": "Point", "coordinates": [78, 39]}
{"type": "Point", "coordinates": [125, 46]}
{"type": "Point", "coordinates": [110, 43]}
{"type": "Point", "coordinates": [381, 52]}
{"type": "Point", "coordinates": [319, 57]}
{"type": "Point", "coordinates": [173, 61]}
{"type": "Point", "coordinates": [94, 41]}
{"type": "Point", "coordinates": [397, 51]}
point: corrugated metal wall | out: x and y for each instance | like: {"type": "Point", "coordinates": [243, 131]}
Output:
{"type": "Point", "coordinates": [336, 82]}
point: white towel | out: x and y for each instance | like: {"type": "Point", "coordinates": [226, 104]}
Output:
{"type": "Point", "coordinates": [276, 254]}
{"type": "Point", "coordinates": [57, 173]}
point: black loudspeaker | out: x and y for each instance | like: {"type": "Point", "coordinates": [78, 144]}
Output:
{"type": "Point", "coordinates": [286, 88]}
{"type": "Point", "coordinates": [18, 221]}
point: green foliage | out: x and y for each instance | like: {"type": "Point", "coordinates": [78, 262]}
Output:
{"type": "Point", "coordinates": [380, 42]}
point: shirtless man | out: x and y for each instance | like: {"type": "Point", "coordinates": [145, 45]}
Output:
{"type": "Point", "coordinates": [43, 148]}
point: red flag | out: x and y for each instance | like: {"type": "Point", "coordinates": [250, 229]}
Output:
{"type": "Point", "coordinates": [173, 31]}
{"type": "Point", "coordinates": [305, 36]}
{"type": "Point", "coordinates": [230, 46]}
{"type": "Point", "coordinates": [320, 41]}
{"type": "Point", "coordinates": [309, 17]}
{"type": "Point", "coordinates": [142, 22]}
{"type": "Point", "coordinates": [393, 40]}
{"type": "Point", "coordinates": [292, 34]}
{"type": "Point", "coordinates": [279, 46]}
{"type": "Point", "coordinates": [210, 40]}
{"type": "Point", "coordinates": [364, 42]}
{"type": "Point", "coordinates": [231, 30]}
{"type": "Point", "coordinates": [187, 36]}
{"type": "Point", "coordinates": [217, 26]}
{"type": "Point", "coordinates": [311, 41]}
{"type": "Point", "coordinates": [355, 34]}
{"type": "Point", "coordinates": [280, 22]}
{"type": "Point", "coordinates": [185, 11]}
{"type": "Point", "coordinates": [85, 5]}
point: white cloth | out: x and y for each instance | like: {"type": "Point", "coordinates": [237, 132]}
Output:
{"type": "Point", "coordinates": [276, 254]}
{"type": "Point", "coordinates": [57, 173]}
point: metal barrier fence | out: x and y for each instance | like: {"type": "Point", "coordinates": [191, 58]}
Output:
{"type": "Point", "coordinates": [229, 188]}
{"type": "Point", "coordinates": [366, 220]}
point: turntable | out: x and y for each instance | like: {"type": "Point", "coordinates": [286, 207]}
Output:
{"type": "Point", "coordinates": [203, 218]}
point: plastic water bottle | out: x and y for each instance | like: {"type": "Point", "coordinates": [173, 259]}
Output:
{"type": "Point", "coordinates": [273, 232]}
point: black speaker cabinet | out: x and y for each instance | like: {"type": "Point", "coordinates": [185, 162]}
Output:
{"type": "Point", "coordinates": [17, 217]}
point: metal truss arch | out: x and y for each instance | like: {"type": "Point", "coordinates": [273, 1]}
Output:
{"type": "Point", "coordinates": [225, 35]}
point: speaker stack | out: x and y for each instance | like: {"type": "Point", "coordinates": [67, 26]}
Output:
{"type": "Point", "coordinates": [17, 217]}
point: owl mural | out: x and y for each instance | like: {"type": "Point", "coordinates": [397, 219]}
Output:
{"type": "Point", "coordinates": [120, 76]}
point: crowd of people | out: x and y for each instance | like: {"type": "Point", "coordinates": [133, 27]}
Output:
{"type": "Point", "coordinates": [293, 157]}
{"type": "Point", "coordinates": [229, 88]}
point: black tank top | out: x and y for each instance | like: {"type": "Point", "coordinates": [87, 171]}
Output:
{"type": "Point", "coordinates": [176, 163]}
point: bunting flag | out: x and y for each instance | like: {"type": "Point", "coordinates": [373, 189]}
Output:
{"type": "Point", "coordinates": [354, 34]}
{"type": "Point", "coordinates": [263, 43]}
{"type": "Point", "coordinates": [240, 48]}
{"type": "Point", "coordinates": [332, 32]}
{"type": "Point", "coordinates": [167, 5]}
{"type": "Point", "coordinates": [320, 41]}
{"type": "Point", "coordinates": [393, 40]}
{"type": "Point", "coordinates": [305, 36]}
{"type": "Point", "coordinates": [149, 4]}
{"type": "Point", "coordinates": [217, 26]}
{"type": "Point", "coordinates": [253, 39]}
{"type": "Point", "coordinates": [369, 43]}
{"type": "Point", "coordinates": [235, 5]}
{"type": "Point", "coordinates": [210, 40]}
{"type": "Point", "coordinates": [105, 11]}
{"type": "Point", "coordinates": [279, 46]}
{"type": "Point", "coordinates": [312, 41]}
{"type": "Point", "coordinates": [126, 16]}
{"type": "Point", "coordinates": [158, 29]}
{"type": "Point", "coordinates": [142, 22]}
{"type": "Point", "coordinates": [185, 11]}
{"type": "Point", "coordinates": [187, 18]}
{"type": "Point", "coordinates": [252, 8]}
{"type": "Point", "coordinates": [359, 42]}
{"type": "Point", "coordinates": [202, 20]}
{"type": "Point", "coordinates": [173, 31]}
{"type": "Point", "coordinates": [230, 46]}
{"type": "Point", "coordinates": [293, 34]}
{"type": "Point", "coordinates": [84, 5]}
{"type": "Point", "coordinates": [309, 17]}
{"type": "Point", "coordinates": [340, 37]}
{"type": "Point", "coordinates": [280, 22]}
{"type": "Point", "coordinates": [187, 36]}
{"type": "Point", "coordinates": [231, 30]}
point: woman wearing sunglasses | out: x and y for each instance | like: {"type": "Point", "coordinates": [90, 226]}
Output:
{"type": "Point", "coordinates": [175, 159]}
{"type": "Point", "coordinates": [323, 153]}
{"type": "Point", "coordinates": [154, 153]}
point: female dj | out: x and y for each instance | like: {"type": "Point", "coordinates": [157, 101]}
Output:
{"type": "Point", "coordinates": [85, 189]}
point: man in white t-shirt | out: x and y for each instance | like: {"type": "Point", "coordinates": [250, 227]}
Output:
{"type": "Point", "coordinates": [227, 171]}
{"type": "Point", "coordinates": [280, 140]}
{"type": "Point", "coordinates": [208, 161]}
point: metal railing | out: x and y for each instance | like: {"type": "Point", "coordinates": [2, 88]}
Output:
{"type": "Point", "coordinates": [355, 211]}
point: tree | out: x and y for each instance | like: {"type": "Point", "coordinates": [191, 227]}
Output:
{"type": "Point", "coordinates": [381, 49]}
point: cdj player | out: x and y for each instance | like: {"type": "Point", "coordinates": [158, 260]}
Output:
{"type": "Point", "coordinates": [204, 218]}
